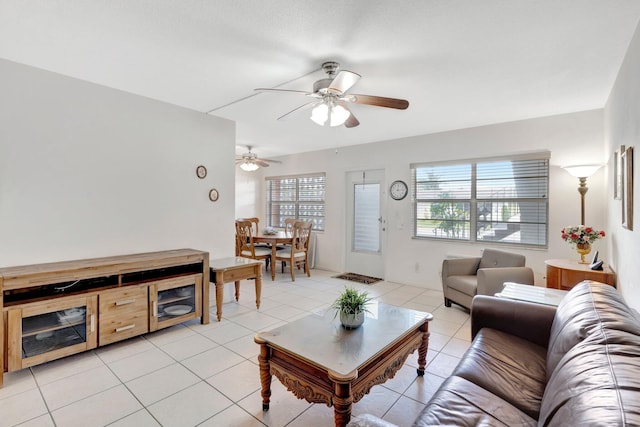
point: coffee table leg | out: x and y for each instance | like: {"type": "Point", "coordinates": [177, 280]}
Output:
{"type": "Point", "coordinates": [342, 402]}
{"type": "Point", "coordinates": [265, 373]}
{"type": "Point", "coordinates": [237, 283]}
{"type": "Point", "coordinates": [422, 351]}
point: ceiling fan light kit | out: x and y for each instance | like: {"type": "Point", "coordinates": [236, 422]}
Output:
{"type": "Point", "coordinates": [248, 166]}
{"type": "Point", "coordinates": [250, 162]}
{"type": "Point", "coordinates": [330, 107]}
{"type": "Point", "coordinates": [330, 114]}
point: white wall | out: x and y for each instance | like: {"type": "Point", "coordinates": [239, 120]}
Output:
{"type": "Point", "coordinates": [89, 171]}
{"type": "Point", "coordinates": [572, 139]}
{"type": "Point", "coordinates": [622, 127]}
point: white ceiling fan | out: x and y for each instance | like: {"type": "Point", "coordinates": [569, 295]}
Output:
{"type": "Point", "coordinates": [330, 104]}
{"type": "Point", "coordinates": [250, 161]}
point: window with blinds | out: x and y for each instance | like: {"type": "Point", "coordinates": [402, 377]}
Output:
{"type": "Point", "coordinates": [501, 200]}
{"type": "Point", "coordinates": [300, 197]}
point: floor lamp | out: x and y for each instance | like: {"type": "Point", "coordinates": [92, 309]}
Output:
{"type": "Point", "coordinates": [582, 172]}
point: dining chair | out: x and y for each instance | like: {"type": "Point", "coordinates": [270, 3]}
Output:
{"type": "Point", "coordinates": [244, 243]}
{"type": "Point", "coordinates": [298, 252]}
{"type": "Point", "coordinates": [288, 225]}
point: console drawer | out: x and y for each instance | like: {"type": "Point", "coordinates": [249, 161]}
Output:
{"type": "Point", "coordinates": [124, 313]}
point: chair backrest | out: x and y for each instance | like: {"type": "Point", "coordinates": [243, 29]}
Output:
{"type": "Point", "coordinates": [288, 225]}
{"type": "Point", "coordinates": [492, 258]}
{"type": "Point", "coordinates": [301, 236]}
{"type": "Point", "coordinates": [255, 221]}
{"type": "Point", "coordinates": [244, 238]}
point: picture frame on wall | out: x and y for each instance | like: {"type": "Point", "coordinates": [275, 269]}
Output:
{"type": "Point", "coordinates": [626, 163]}
{"type": "Point", "coordinates": [617, 174]}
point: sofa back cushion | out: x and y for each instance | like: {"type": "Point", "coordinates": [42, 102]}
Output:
{"type": "Point", "coordinates": [593, 360]}
{"type": "Point", "coordinates": [492, 258]}
{"type": "Point", "coordinates": [587, 308]}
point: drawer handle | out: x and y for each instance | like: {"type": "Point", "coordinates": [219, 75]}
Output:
{"type": "Point", "coordinates": [93, 323]}
{"type": "Point", "coordinates": [126, 301]}
{"type": "Point", "coordinates": [125, 328]}
{"type": "Point", "coordinates": [155, 309]}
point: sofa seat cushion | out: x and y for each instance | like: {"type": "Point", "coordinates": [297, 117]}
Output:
{"type": "Point", "coordinates": [596, 384]}
{"type": "Point", "coordinates": [465, 284]}
{"type": "Point", "coordinates": [510, 367]}
{"type": "Point", "coordinates": [459, 402]}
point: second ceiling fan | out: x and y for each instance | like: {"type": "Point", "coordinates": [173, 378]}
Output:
{"type": "Point", "coordinates": [330, 104]}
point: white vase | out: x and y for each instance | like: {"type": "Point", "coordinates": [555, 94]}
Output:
{"type": "Point", "coordinates": [350, 320]}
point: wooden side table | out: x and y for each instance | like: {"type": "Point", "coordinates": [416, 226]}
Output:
{"type": "Point", "coordinates": [234, 269]}
{"type": "Point", "coordinates": [566, 273]}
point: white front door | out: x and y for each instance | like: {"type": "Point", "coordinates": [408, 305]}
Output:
{"type": "Point", "coordinates": [365, 223]}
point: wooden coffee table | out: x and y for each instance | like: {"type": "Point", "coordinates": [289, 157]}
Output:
{"type": "Point", "coordinates": [320, 361]}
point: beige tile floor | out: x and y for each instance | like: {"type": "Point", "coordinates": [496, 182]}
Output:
{"type": "Point", "coordinates": [207, 375]}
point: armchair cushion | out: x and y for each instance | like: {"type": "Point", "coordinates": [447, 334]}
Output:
{"type": "Point", "coordinates": [490, 280]}
{"type": "Point", "coordinates": [492, 258]}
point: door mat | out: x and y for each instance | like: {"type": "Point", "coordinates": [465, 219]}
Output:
{"type": "Point", "coordinates": [360, 278]}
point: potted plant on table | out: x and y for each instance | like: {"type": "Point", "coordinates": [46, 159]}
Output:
{"type": "Point", "coordinates": [352, 306]}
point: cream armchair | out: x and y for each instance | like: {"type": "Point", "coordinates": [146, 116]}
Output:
{"type": "Point", "coordinates": [464, 278]}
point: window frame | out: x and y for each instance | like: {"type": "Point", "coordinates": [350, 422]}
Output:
{"type": "Point", "coordinates": [473, 200]}
{"type": "Point", "coordinates": [318, 220]}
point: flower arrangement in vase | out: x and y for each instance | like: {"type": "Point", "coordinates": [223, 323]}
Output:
{"type": "Point", "coordinates": [581, 237]}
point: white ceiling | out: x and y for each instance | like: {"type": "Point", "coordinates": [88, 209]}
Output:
{"type": "Point", "coordinates": [460, 63]}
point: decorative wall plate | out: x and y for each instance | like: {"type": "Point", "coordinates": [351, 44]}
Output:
{"type": "Point", "coordinates": [213, 195]}
{"type": "Point", "coordinates": [201, 172]}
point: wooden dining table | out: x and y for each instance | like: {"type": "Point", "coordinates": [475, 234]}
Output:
{"type": "Point", "coordinates": [279, 238]}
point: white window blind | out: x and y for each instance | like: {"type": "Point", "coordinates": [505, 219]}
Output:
{"type": "Point", "coordinates": [489, 200]}
{"type": "Point", "coordinates": [366, 223]}
{"type": "Point", "coordinates": [300, 197]}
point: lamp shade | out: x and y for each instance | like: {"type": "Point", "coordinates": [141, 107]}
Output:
{"type": "Point", "coordinates": [582, 171]}
{"type": "Point", "coordinates": [249, 166]}
{"type": "Point", "coordinates": [328, 113]}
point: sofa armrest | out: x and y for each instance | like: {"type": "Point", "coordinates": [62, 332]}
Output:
{"type": "Point", "coordinates": [491, 280]}
{"type": "Point", "coordinates": [527, 320]}
{"type": "Point", "coordinates": [460, 267]}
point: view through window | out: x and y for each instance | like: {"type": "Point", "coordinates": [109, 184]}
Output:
{"type": "Point", "coordinates": [490, 200]}
{"type": "Point", "coordinates": [300, 197]}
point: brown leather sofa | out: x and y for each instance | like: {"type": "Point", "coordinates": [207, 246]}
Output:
{"type": "Point", "coordinates": [530, 364]}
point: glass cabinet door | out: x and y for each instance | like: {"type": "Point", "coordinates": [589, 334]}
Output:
{"type": "Point", "coordinates": [47, 331]}
{"type": "Point", "coordinates": [175, 300]}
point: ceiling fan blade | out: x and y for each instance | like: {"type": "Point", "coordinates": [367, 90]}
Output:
{"type": "Point", "coordinates": [343, 82]}
{"type": "Point", "coordinates": [261, 163]}
{"type": "Point", "coordinates": [303, 107]}
{"type": "Point", "coordinates": [270, 161]}
{"type": "Point", "coordinates": [378, 101]}
{"type": "Point", "coordinates": [351, 122]}
{"type": "Point", "coordinates": [268, 89]}
{"type": "Point", "coordinates": [295, 92]}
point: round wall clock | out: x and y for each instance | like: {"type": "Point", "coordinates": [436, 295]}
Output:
{"type": "Point", "coordinates": [213, 195]}
{"type": "Point", "coordinates": [201, 171]}
{"type": "Point", "coordinates": [398, 190]}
